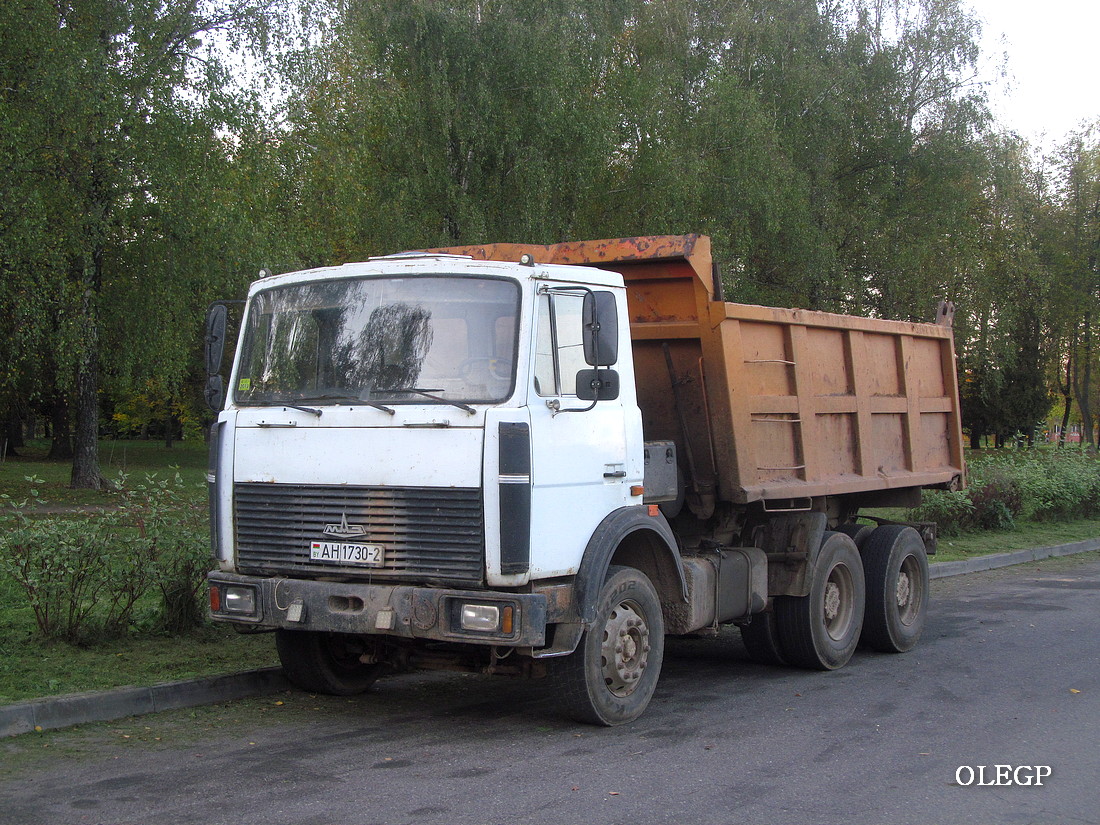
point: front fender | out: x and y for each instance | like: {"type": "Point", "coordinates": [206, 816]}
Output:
{"type": "Point", "coordinates": [639, 534]}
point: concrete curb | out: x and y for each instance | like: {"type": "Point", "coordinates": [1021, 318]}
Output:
{"type": "Point", "coordinates": [108, 705]}
{"type": "Point", "coordinates": [942, 569]}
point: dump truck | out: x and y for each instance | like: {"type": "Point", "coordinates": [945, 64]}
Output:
{"type": "Point", "coordinates": [541, 461]}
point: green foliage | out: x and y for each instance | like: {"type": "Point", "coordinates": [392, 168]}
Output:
{"type": "Point", "coordinates": [826, 159]}
{"type": "Point", "coordinates": [85, 579]}
{"type": "Point", "coordinates": [115, 130]}
{"type": "Point", "coordinates": [950, 510]}
{"type": "Point", "coordinates": [998, 501]}
{"type": "Point", "coordinates": [1036, 485]}
{"type": "Point", "coordinates": [838, 153]}
{"type": "Point", "coordinates": [173, 533]}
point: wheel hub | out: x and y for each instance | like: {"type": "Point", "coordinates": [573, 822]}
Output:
{"type": "Point", "coordinates": [838, 604]}
{"type": "Point", "coordinates": [625, 649]}
{"type": "Point", "coordinates": [832, 601]}
{"type": "Point", "coordinates": [910, 591]}
{"type": "Point", "coordinates": [904, 589]}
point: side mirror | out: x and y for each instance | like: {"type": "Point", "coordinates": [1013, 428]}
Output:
{"type": "Point", "coordinates": [597, 385]}
{"type": "Point", "coordinates": [600, 322]}
{"type": "Point", "coordinates": [215, 337]}
{"type": "Point", "coordinates": [214, 393]}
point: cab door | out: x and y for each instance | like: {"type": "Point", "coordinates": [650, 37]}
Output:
{"type": "Point", "coordinates": [581, 468]}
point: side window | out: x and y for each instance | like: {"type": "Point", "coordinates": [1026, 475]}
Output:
{"type": "Point", "coordinates": [559, 347]}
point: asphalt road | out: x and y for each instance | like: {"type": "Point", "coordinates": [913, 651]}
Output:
{"type": "Point", "coordinates": [1008, 674]}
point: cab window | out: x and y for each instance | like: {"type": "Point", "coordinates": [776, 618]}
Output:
{"type": "Point", "coordinates": [559, 348]}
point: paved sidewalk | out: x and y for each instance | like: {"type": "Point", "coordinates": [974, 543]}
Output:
{"type": "Point", "coordinates": [106, 705]}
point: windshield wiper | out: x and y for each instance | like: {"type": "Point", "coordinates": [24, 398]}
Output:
{"type": "Point", "coordinates": [352, 399]}
{"type": "Point", "coordinates": [428, 394]}
{"type": "Point", "coordinates": [310, 410]}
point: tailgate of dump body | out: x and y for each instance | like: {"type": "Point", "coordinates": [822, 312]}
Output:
{"type": "Point", "coordinates": [769, 404]}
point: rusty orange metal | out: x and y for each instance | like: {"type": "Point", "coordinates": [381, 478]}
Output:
{"type": "Point", "coordinates": [768, 403]}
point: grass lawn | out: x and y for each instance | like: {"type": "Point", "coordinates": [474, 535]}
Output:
{"type": "Point", "coordinates": [1025, 536]}
{"type": "Point", "coordinates": [134, 458]}
{"type": "Point", "coordinates": [31, 668]}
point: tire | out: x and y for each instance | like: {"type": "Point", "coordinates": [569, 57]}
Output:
{"type": "Point", "coordinates": [761, 638]}
{"type": "Point", "coordinates": [820, 631]}
{"type": "Point", "coordinates": [611, 676]}
{"type": "Point", "coordinates": [859, 533]}
{"type": "Point", "coordinates": [325, 662]}
{"type": "Point", "coordinates": [895, 564]}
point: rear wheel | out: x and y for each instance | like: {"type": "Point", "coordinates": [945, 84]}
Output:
{"type": "Point", "coordinates": [895, 564]}
{"type": "Point", "coordinates": [611, 676]}
{"type": "Point", "coordinates": [859, 533]}
{"type": "Point", "coordinates": [821, 630]}
{"type": "Point", "coordinates": [325, 662]}
{"type": "Point", "coordinates": [761, 638]}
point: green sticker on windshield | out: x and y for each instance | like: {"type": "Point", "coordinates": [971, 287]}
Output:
{"type": "Point", "coordinates": [244, 385]}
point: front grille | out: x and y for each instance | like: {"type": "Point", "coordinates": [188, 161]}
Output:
{"type": "Point", "coordinates": [429, 534]}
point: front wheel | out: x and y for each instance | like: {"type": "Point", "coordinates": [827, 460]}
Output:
{"type": "Point", "coordinates": [821, 630]}
{"type": "Point", "coordinates": [896, 567]}
{"type": "Point", "coordinates": [611, 676]}
{"type": "Point", "coordinates": [325, 662]}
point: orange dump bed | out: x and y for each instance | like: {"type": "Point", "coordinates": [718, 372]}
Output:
{"type": "Point", "coordinates": [774, 404]}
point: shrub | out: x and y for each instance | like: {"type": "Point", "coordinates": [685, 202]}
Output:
{"type": "Point", "coordinates": [1058, 484]}
{"type": "Point", "coordinates": [81, 578]}
{"type": "Point", "coordinates": [1011, 486]}
{"type": "Point", "coordinates": [85, 579]}
{"type": "Point", "coordinates": [997, 502]}
{"type": "Point", "coordinates": [172, 524]}
{"type": "Point", "coordinates": [951, 510]}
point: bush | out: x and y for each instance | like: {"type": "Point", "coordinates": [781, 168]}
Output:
{"type": "Point", "coordinates": [997, 502]}
{"type": "Point", "coordinates": [1057, 484]}
{"type": "Point", "coordinates": [85, 579]}
{"type": "Point", "coordinates": [173, 526]}
{"type": "Point", "coordinates": [950, 510]}
{"type": "Point", "coordinates": [1011, 486]}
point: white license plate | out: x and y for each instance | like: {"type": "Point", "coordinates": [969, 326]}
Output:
{"type": "Point", "coordinates": [371, 555]}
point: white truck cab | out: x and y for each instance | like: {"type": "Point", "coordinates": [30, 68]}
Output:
{"type": "Point", "coordinates": [420, 448]}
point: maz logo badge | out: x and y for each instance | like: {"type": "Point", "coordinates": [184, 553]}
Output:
{"type": "Point", "coordinates": [345, 530]}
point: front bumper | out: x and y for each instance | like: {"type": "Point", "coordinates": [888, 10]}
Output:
{"type": "Point", "coordinates": [404, 611]}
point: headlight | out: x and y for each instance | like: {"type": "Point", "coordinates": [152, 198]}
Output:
{"type": "Point", "coordinates": [239, 599]}
{"type": "Point", "coordinates": [484, 617]}
{"type": "Point", "coordinates": [487, 618]}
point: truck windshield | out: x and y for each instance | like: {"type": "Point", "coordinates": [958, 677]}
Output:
{"type": "Point", "coordinates": [423, 340]}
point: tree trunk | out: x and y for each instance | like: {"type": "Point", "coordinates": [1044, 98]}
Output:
{"type": "Point", "coordinates": [169, 427]}
{"type": "Point", "coordinates": [1067, 395]}
{"type": "Point", "coordinates": [61, 445]}
{"type": "Point", "coordinates": [1083, 380]}
{"type": "Point", "coordinates": [86, 474]}
{"type": "Point", "coordinates": [13, 435]}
